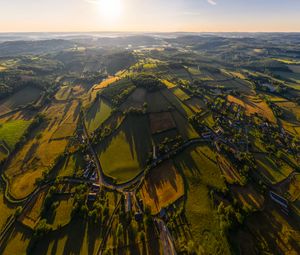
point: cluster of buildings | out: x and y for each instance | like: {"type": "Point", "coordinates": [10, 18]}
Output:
{"type": "Point", "coordinates": [90, 171]}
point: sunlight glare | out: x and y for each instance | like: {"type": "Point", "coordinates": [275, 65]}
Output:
{"type": "Point", "coordinates": [110, 9]}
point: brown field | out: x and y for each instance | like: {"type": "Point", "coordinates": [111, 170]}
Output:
{"type": "Point", "coordinates": [41, 149]}
{"type": "Point", "coordinates": [230, 173]}
{"type": "Point", "coordinates": [162, 187]}
{"type": "Point", "coordinates": [136, 99]}
{"type": "Point", "coordinates": [160, 122]}
{"type": "Point", "coordinates": [248, 197]}
{"type": "Point", "coordinates": [253, 105]}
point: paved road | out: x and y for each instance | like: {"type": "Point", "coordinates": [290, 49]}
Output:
{"type": "Point", "coordinates": [138, 179]}
{"type": "Point", "coordinates": [165, 237]}
{"type": "Point", "coordinates": [101, 178]}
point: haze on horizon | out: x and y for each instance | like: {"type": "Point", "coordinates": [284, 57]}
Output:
{"type": "Point", "coordinates": [150, 16]}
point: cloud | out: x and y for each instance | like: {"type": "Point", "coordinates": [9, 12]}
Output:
{"type": "Point", "coordinates": [212, 2]}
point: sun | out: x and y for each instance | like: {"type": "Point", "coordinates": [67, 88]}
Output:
{"type": "Point", "coordinates": [110, 9]}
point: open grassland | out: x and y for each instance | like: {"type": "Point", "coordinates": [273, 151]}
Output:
{"type": "Point", "coordinates": [272, 230]}
{"type": "Point", "coordinates": [18, 241]}
{"type": "Point", "coordinates": [156, 102]}
{"type": "Point", "coordinates": [169, 84]}
{"type": "Point", "coordinates": [114, 93]}
{"type": "Point", "coordinates": [194, 71]}
{"type": "Point", "coordinates": [294, 188]}
{"type": "Point", "coordinates": [125, 152]}
{"type": "Point", "coordinates": [160, 122]}
{"type": "Point", "coordinates": [185, 129]}
{"type": "Point", "coordinates": [209, 120]}
{"type": "Point", "coordinates": [182, 108]}
{"type": "Point", "coordinates": [76, 238]}
{"type": "Point", "coordinates": [68, 122]}
{"type": "Point", "coordinates": [72, 164]}
{"type": "Point", "coordinates": [196, 104]}
{"type": "Point", "coordinates": [253, 105]}
{"type": "Point", "coordinates": [295, 68]}
{"type": "Point", "coordinates": [62, 213]}
{"type": "Point", "coordinates": [275, 98]}
{"type": "Point", "coordinates": [292, 110]}
{"type": "Point", "coordinates": [248, 197]}
{"type": "Point", "coordinates": [97, 114]}
{"type": "Point", "coordinates": [12, 131]}
{"type": "Point", "coordinates": [42, 148]}
{"type": "Point", "coordinates": [2, 68]}
{"type": "Point", "coordinates": [106, 82]}
{"type": "Point", "coordinates": [294, 77]}
{"type": "Point", "coordinates": [180, 94]}
{"type": "Point", "coordinates": [198, 165]}
{"type": "Point", "coordinates": [135, 100]}
{"type": "Point", "coordinates": [171, 134]}
{"type": "Point", "coordinates": [162, 187]}
{"type": "Point", "coordinates": [290, 188]}
{"type": "Point", "coordinates": [63, 93]}
{"type": "Point", "coordinates": [230, 173]}
{"type": "Point", "coordinates": [20, 98]}
{"type": "Point", "coordinates": [3, 151]}
{"type": "Point", "coordinates": [270, 170]}
{"type": "Point", "coordinates": [287, 61]}
{"type": "Point", "coordinates": [239, 85]}
{"type": "Point", "coordinates": [233, 74]}
{"type": "Point", "coordinates": [291, 126]}
{"type": "Point", "coordinates": [6, 211]}
{"type": "Point", "coordinates": [32, 215]}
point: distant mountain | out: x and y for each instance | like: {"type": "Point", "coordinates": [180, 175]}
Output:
{"type": "Point", "coordinates": [17, 48]}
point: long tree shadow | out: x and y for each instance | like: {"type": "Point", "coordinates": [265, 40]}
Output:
{"type": "Point", "coordinates": [76, 233]}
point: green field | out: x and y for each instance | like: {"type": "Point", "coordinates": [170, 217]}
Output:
{"type": "Point", "coordinates": [180, 94]}
{"type": "Point", "coordinates": [62, 214]}
{"type": "Point", "coordinates": [72, 165]}
{"type": "Point", "coordinates": [12, 131]}
{"type": "Point", "coordinates": [20, 98]}
{"type": "Point", "coordinates": [294, 77]}
{"type": "Point", "coordinates": [177, 104]}
{"type": "Point", "coordinates": [6, 211]}
{"type": "Point", "coordinates": [18, 242]}
{"type": "Point", "coordinates": [63, 93]}
{"type": "Point", "coordinates": [200, 172]}
{"type": "Point", "coordinates": [270, 170]}
{"type": "Point", "coordinates": [124, 154]}
{"type": "Point", "coordinates": [184, 127]}
{"type": "Point", "coordinates": [97, 114]}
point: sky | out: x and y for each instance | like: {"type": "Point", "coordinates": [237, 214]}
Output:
{"type": "Point", "coordinates": [150, 15]}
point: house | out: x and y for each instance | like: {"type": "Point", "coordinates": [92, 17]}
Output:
{"type": "Point", "coordinates": [206, 135]}
{"type": "Point", "coordinates": [95, 187]}
{"type": "Point", "coordinates": [92, 196]}
{"type": "Point", "coordinates": [219, 131]}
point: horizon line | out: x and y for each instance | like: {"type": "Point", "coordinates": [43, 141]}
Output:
{"type": "Point", "coordinates": [146, 32]}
